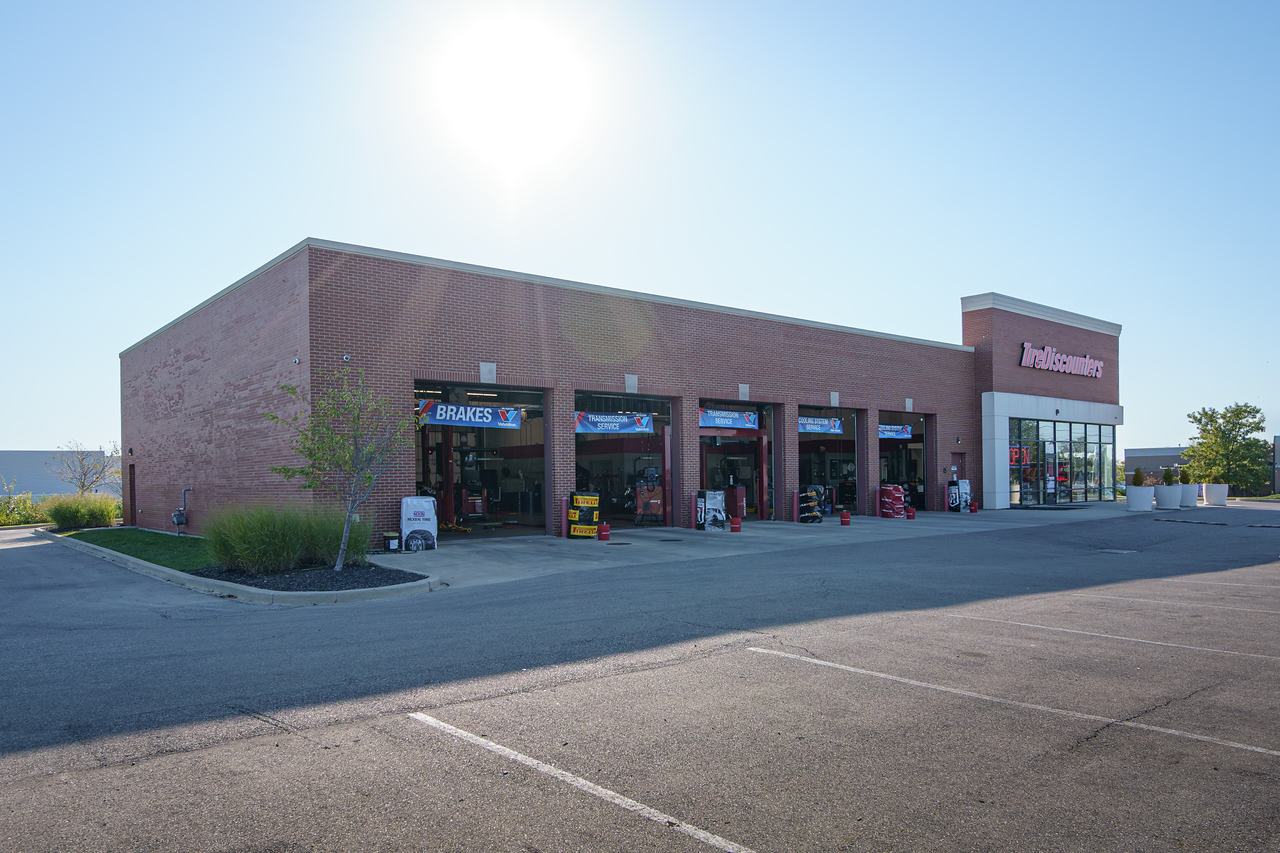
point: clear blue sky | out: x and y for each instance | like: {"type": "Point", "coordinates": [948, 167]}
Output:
{"type": "Point", "coordinates": [860, 163]}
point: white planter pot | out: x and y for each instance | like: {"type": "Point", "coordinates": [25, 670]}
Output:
{"type": "Point", "coordinates": [1168, 497]}
{"type": "Point", "coordinates": [1215, 494]}
{"type": "Point", "coordinates": [1190, 491]}
{"type": "Point", "coordinates": [1139, 498]}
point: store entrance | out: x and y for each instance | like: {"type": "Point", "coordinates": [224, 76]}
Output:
{"type": "Point", "coordinates": [480, 455]}
{"type": "Point", "coordinates": [902, 457]}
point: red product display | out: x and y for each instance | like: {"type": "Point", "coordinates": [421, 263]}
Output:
{"type": "Point", "coordinates": [892, 502]}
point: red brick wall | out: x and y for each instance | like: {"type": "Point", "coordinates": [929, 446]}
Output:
{"type": "Point", "coordinates": [997, 337]}
{"type": "Point", "coordinates": [193, 395]}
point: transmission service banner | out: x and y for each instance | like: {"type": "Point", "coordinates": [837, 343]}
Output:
{"type": "Point", "coordinates": [732, 420]}
{"type": "Point", "coordinates": [612, 422]}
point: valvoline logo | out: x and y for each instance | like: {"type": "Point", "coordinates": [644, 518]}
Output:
{"type": "Point", "coordinates": [642, 421]}
{"type": "Point", "coordinates": [507, 415]}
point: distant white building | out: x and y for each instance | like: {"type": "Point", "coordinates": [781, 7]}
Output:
{"type": "Point", "coordinates": [34, 471]}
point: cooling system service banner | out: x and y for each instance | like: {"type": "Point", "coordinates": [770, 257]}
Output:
{"type": "Point", "coordinates": [732, 420]}
{"type": "Point", "coordinates": [436, 413]}
{"type": "Point", "coordinates": [614, 423]}
{"type": "Point", "coordinates": [828, 425]}
{"type": "Point", "coordinates": [895, 430]}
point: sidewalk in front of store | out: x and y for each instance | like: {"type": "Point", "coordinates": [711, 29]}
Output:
{"type": "Point", "coordinates": [486, 561]}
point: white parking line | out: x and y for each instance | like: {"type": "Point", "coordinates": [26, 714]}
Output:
{"type": "Point", "coordinates": [1222, 583]}
{"type": "Point", "coordinates": [1013, 703]}
{"type": "Point", "coordinates": [1177, 603]}
{"type": "Point", "coordinates": [589, 787]}
{"type": "Point", "coordinates": [1114, 637]}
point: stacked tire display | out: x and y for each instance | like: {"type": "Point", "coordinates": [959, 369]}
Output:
{"type": "Point", "coordinates": [584, 515]}
{"type": "Point", "coordinates": [810, 505]}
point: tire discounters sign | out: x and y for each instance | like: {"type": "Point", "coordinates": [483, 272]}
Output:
{"type": "Point", "coordinates": [1048, 358]}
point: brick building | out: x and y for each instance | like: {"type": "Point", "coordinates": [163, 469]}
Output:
{"type": "Point", "coordinates": [527, 388]}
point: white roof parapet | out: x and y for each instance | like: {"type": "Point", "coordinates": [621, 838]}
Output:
{"type": "Point", "coordinates": [981, 301]}
{"type": "Point", "coordinates": [1154, 451]}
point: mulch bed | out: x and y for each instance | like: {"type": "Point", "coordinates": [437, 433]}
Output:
{"type": "Point", "coordinates": [319, 579]}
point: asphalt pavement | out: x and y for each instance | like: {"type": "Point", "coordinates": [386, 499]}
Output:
{"type": "Point", "coordinates": [1056, 681]}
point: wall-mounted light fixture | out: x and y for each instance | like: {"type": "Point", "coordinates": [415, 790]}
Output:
{"type": "Point", "coordinates": [957, 439]}
{"type": "Point", "coordinates": [296, 360]}
{"type": "Point", "coordinates": [130, 451]}
{"type": "Point", "coordinates": [346, 358]}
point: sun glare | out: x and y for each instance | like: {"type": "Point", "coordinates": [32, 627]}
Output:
{"type": "Point", "coordinates": [513, 93]}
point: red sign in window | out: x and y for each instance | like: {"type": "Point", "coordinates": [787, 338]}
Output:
{"type": "Point", "coordinates": [1019, 455]}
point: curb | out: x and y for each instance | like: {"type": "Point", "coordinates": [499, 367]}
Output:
{"type": "Point", "coordinates": [239, 592]}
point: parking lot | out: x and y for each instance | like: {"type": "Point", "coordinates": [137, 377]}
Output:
{"type": "Point", "coordinates": [1106, 683]}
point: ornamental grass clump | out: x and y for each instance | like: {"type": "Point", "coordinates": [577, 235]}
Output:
{"type": "Point", "coordinates": [271, 540]}
{"type": "Point", "coordinates": [75, 512]}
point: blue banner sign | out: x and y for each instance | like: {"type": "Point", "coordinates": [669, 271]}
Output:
{"type": "Point", "coordinates": [828, 425]}
{"type": "Point", "coordinates": [612, 422]}
{"type": "Point", "coordinates": [732, 420]}
{"type": "Point", "coordinates": [436, 413]}
{"type": "Point", "coordinates": [895, 430]}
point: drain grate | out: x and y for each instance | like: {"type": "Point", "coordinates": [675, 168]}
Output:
{"type": "Point", "coordinates": [619, 543]}
{"type": "Point", "coordinates": [1115, 551]}
{"type": "Point", "coordinates": [670, 540]}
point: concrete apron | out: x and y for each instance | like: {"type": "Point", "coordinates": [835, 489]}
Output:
{"type": "Point", "coordinates": [461, 564]}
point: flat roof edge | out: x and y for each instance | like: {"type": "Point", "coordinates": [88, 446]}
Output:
{"type": "Point", "coordinates": [278, 259]}
{"type": "Point", "coordinates": [421, 260]}
{"type": "Point", "coordinates": [981, 301]}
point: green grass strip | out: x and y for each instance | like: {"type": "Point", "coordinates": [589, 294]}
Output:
{"type": "Point", "coordinates": [184, 553]}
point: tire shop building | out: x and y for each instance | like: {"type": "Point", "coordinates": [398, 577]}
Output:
{"type": "Point", "coordinates": [526, 389]}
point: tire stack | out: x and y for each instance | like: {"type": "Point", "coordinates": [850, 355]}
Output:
{"type": "Point", "coordinates": [810, 508]}
{"type": "Point", "coordinates": [584, 515]}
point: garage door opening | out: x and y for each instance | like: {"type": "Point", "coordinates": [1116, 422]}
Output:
{"type": "Point", "coordinates": [480, 455]}
{"type": "Point", "coordinates": [737, 456]}
{"type": "Point", "coordinates": [829, 456]}
{"type": "Point", "coordinates": [624, 454]}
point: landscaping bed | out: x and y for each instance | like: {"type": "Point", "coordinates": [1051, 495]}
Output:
{"type": "Point", "coordinates": [320, 579]}
{"type": "Point", "coordinates": [189, 554]}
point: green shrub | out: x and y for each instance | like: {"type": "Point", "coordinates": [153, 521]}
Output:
{"type": "Point", "coordinates": [1216, 479]}
{"type": "Point", "coordinates": [20, 509]}
{"type": "Point", "coordinates": [73, 512]}
{"type": "Point", "coordinates": [17, 507]}
{"type": "Point", "coordinates": [269, 540]}
{"type": "Point", "coordinates": [1184, 476]}
{"type": "Point", "coordinates": [1138, 478]}
{"type": "Point", "coordinates": [1168, 476]}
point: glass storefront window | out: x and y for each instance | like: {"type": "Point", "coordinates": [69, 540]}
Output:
{"type": "Point", "coordinates": [1053, 462]}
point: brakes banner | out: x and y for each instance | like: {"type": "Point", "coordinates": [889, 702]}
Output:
{"type": "Point", "coordinates": [828, 425]}
{"type": "Point", "coordinates": [436, 413]}
{"type": "Point", "coordinates": [612, 423]}
{"type": "Point", "coordinates": [733, 420]}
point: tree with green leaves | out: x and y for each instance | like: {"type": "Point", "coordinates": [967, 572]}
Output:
{"type": "Point", "coordinates": [349, 440]}
{"type": "Point", "coordinates": [1226, 447]}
